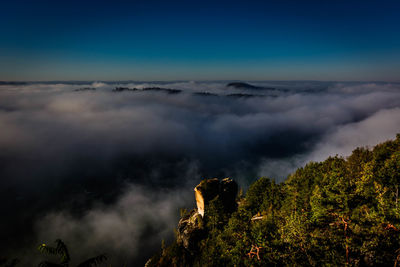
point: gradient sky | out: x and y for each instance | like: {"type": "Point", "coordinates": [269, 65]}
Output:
{"type": "Point", "coordinates": [200, 40]}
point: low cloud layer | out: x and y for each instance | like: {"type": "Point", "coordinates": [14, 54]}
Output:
{"type": "Point", "coordinates": [129, 230]}
{"type": "Point", "coordinates": [90, 159]}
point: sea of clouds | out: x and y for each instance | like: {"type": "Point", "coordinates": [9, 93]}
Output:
{"type": "Point", "coordinates": [108, 171]}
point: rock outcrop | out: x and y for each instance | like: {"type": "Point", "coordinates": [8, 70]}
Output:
{"type": "Point", "coordinates": [209, 189]}
{"type": "Point", "coordinates": [191, 227]}
{"type": "Point", "coordinates": [228, 193]}
{"type": "Point", "coordinates": [204, 192]}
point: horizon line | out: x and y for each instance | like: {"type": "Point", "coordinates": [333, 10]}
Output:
{"type": "Point", "coordinates": [2, 82]}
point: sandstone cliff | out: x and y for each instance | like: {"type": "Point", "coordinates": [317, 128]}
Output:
{"type": "Point", "coordinates": [191, 225]}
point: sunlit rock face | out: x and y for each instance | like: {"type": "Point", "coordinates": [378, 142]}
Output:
{"type": "Point", "coordinates": [204, 192]}
{"type": "Point", "coordinates": [208, 189]}
{"type": "Point", "coordinates": [199, 201]}
{"type": "Point", "coordinates": [191, 225]}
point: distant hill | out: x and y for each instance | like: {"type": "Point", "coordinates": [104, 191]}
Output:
{"type": "Point", "coordinates": [12, 83]}
{"type": "Point", "coordinates": [244, 95]}
{"type": "Point", "coordinates": [204, 94]}
{"type": "Point", "coordinates": [242, 85]}
{"type": "Point", "coordinates": [148, 89]}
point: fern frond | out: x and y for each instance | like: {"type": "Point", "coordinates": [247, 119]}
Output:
{"type": "Point", "coordinates": [95, 261]}
{"type": "Point", "coordinates": [63, 251]}
{"type": "Point", "coordinates": [45, 249]}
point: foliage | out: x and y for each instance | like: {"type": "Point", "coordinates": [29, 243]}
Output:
{"type": "Point", "coordinates": [342, 211]}
{"type": "Point", "coordinates": [61, 250]}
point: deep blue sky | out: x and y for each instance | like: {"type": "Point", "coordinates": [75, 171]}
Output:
{"type": "Point", "coordinates": [200, 40]}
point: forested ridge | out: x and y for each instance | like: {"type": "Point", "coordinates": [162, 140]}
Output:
{"type": "Point", "coordinates": [339, 212]}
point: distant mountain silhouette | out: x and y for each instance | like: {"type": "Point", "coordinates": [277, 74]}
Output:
{"type": "Point", "coordinates": [166, 90]}
{"type": "Point", "coordinates": [122, 89]}
{"type": "Point", "coordinates": [205, 94]}
{"type": "Point", "coordinates": [156, 89]}
{"type": "Point", "coordinates": [244, 95]}
{"type": "Point", "coordinates": [241, 85]}
{"type": "Point", "coordinates": [12, 83]}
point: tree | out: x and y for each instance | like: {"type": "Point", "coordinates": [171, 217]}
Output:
{"type": "Point", "coordinates": [339, 212]}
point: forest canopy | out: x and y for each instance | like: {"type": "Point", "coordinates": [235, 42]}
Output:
{"type": "Point", "coordinates": [342, 211]}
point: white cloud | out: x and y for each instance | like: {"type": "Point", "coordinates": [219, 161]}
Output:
{"type": "Point", "coordinates": [53, 139]}
{"type": "Point", "coordinates": [379, 127]}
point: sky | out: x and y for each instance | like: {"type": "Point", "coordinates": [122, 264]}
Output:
{"type": "Point", "coordinates": [200, 40]}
